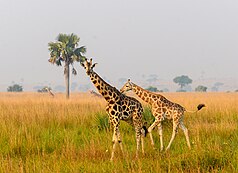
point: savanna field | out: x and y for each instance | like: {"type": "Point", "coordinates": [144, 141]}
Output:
{"type": "Point", "coordinates": [43, 134]}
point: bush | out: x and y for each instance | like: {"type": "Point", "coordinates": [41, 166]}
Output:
{"type": "Point", "coordinates": [15, 88]}
{"type": "Point", "coordinates": [152, 89]}
{"type": "Point", "coordinates": [201, 88]}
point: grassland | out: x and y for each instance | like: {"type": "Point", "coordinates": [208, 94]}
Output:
{"type": "Point", "coordinates": [43, 134]}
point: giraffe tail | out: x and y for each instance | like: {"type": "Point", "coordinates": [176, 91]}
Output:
{"type": "Point", "coordinates": [144, 130]}
{"type": "Point", "coordinates": [199, 107]}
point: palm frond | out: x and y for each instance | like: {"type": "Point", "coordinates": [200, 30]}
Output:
{"type": "Point", "coordinates": [74, 72]}
{"type": "Point", "coordinates": [80, 51]}
{"type": "Point", "coordinates": [52, 60]}
{"type": "Point", "coordinates": [82, 59]}
{"type": "Point", "coordinates": [63, 38]}
{"type": "Point", "coordinates": [73, 40]}
{"type": "Point", "coordinates": [70, 51]}
{"type": "Point", "coordinates": [53, 46]}
{"type": "Point", "coordinates": [75, 58]}
{"type": "Point", "coordinates": [58, 62]}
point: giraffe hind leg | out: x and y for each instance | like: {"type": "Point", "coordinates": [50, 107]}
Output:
{"type": "Point", "coordinates": [142, 145]}
{"type": "Point", "coordinates": [175, 128]}
{"type": "Point", "coordinates": [185, 131]}
{"type": "Point", "coordinates": [153, 125]}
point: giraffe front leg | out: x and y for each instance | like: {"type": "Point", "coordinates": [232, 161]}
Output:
{"type": "Point", "coordinates": [114, 141]}
{"type": "Point", "coordinates": [155, 123]}
{"type": "Point", "coordinates": [138, 125]}
{"type": "Point", "coordinates": [116, 137]}
{"type": "Point", "coordinates": [161, 136]}
{"type": "Point", "coordinates": [120, 142]}
{"type": "Point", "coordinates": [138, 138]}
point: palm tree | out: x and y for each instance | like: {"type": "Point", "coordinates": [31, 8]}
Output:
{"type": "Point", "coordinates": [65, 50]}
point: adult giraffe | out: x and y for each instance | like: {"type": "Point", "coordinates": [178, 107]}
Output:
{"type": "Point", "coordinates": [119, 107]}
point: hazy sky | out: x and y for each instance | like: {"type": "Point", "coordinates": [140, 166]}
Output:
{"type": "Point", "coordinates": [128, 38]}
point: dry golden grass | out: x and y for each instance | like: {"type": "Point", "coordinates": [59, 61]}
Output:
{"type": "Point", "coordinates": [43, 134]}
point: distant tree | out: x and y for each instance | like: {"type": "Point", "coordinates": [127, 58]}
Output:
{"type": "Point", "coordinates": [216, 86]}
{"type": "Point", "coordinates": [152, 89]}
{"type": "Point", "coordinates": [15, 88]}
{"type": "Point", "coordinates": [65, 50]}
{"type": "Point", "coordinates": [182, 81]}
{"type": "Point", "coordinates": [236, 90]}
{"type": "Point", "coordinates": [201, 88]}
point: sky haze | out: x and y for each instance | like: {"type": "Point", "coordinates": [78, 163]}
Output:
{"type": "Point", "coordinates": [128, 39]}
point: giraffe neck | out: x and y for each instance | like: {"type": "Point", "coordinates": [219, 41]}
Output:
{"type": "Point", "coordinates": [145, 95]}
{"type": "Point", "coordinates": [110, 93]}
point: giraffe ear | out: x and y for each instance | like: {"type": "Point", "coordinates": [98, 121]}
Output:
{"type": "Point", "coordinates": [94, 65]}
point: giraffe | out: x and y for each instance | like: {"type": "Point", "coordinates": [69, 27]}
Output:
{"type": "Point", "coordinates": [162, 109]}
{"type": "Point", "coordinates": [49, 91]}
{"type": "Point", "coordinates": [119, 107]}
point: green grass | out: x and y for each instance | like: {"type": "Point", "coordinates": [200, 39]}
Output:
{"type": "Point", "coordinates": [53, 135]}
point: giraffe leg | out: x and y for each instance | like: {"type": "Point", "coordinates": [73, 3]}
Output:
{"type": "Point", "coordinates": [138, 138]}
{"type": "Point", "coordinates": [185, 130]}
{"type": "Point", "coordinates": [175, 128]}
{"type": "Point", "coordinates": [120, 142]}
{"type": "Point", "coordinates": [161, 136]}
{"type": "Point", "coordinates": [142, 144]}
{"type": "Point", "coordinates": [155, 123]}
{"type": "Point", "coordinates": [137, 122]}
{"type": "Point", "coordinates": [116, 138]}
{"type": "Point", "coordinates": [114, 141]}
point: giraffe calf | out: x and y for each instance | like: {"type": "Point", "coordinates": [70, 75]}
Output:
{"type": "Point", "coordinates": [162, 109]}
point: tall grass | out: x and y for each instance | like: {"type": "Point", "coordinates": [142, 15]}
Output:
{"type": "Point", "coordinates": [43, 134]}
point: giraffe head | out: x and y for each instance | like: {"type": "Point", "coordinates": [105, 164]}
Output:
{"type": "Point", "coordinates": [127, 86]}
{"type": "Point", "coordinates": [88, 65]}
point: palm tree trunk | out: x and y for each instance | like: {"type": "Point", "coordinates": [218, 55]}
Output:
{"type": "Point", "coordinates": [66, 74]}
